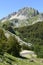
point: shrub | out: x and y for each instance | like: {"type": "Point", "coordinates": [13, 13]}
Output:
{"type": "Point", "coordinates": [13, 46]}
{"type": "Point", "coordinates": [38, 50]}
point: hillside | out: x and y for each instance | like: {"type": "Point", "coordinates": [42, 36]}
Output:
{"type": "Point", "coordinates": [31, 33]}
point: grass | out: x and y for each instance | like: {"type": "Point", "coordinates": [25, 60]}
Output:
{"type": "Point", "coordinates": [11, 60]}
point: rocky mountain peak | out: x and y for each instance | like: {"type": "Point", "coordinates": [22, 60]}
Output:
{"type": "Point", "coordinates": [28, 11]}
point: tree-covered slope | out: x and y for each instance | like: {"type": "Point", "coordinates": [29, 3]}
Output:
{"type": "Point", "coordinates": [34, 35]}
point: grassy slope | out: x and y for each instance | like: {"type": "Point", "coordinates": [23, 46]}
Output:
{"type": "Point", "coordinates": [17, 61]}
{"type": "Point", "coordinates": [33, 33]}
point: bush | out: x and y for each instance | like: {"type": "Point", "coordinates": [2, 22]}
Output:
{"type": "Point", "coordinates": [38, 50]}
{"type": "Point", "coordinates": [3, 41]}
{"type": "Point", "coordinates": [13, 46]}
{"type": "Point", "coordinates": [9, 45]}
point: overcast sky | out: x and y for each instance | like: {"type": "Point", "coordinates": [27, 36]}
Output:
{"type": "Point", "coordinates": [9, 6]}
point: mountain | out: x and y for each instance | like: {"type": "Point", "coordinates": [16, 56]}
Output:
{"type": "Point", "coordinates": [26, 11]}
{"type": "Point", "coordinates": [22, 30]}
{"type": "Point", "coordinates": [22, 17]}
{"type": "Point", "coordinates": [23, 22]}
